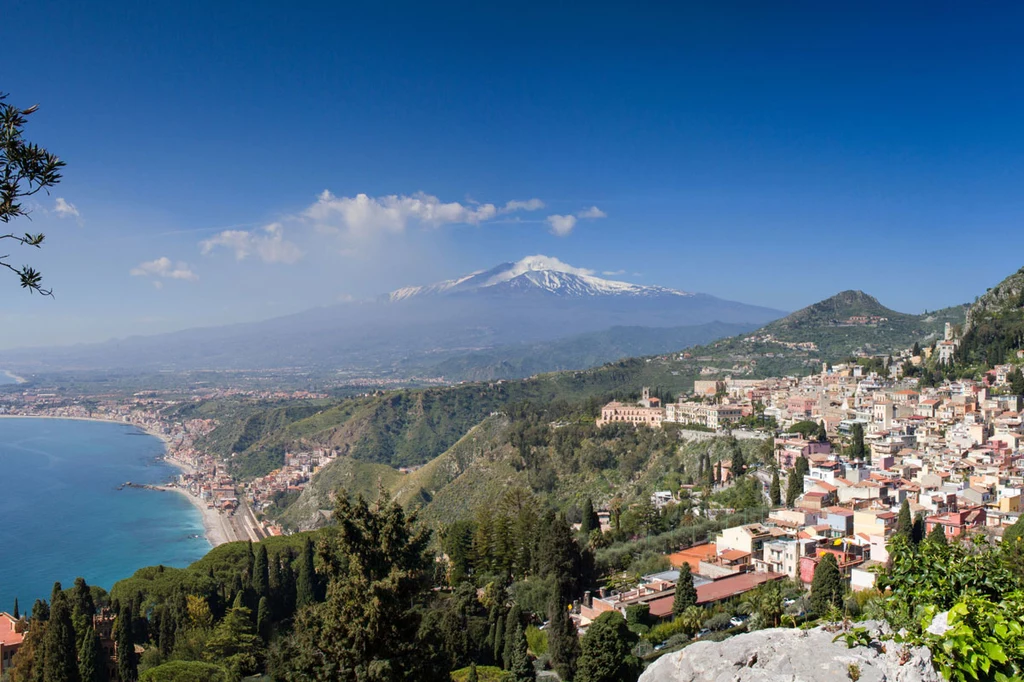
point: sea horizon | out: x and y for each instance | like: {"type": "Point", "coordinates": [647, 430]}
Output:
{"type": "Point", "coordinates": [63, 515]}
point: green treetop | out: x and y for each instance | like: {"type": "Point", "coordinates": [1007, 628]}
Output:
{"type": "Point", "coordinates": [827, 586]}
{"type": "Point", "coordinates": [686, 593]}
{"type": "Point", "coordinates": [607, 651]}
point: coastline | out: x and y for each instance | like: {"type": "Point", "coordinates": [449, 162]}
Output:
{"type": "Point", "coordinates": [14, 377]}
{"type": "Point", "coordinates": [217, 527]}
{"type": "Point", "coordinates": [151, 432]}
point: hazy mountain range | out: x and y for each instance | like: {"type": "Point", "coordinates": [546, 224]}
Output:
{"type": "Point", "coordinates": [537, 300]}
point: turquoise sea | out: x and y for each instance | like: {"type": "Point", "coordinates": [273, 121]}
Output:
{"type": "Point", "coordinates": [61, 515]}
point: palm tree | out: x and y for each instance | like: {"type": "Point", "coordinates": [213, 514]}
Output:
{"type": "Point", "coordinates": [691, 619]}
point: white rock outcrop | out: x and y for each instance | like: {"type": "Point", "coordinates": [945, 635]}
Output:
{"type": "Point", "coordinates": [788, 655]}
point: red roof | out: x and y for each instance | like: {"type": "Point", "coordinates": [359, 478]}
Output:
{"type": "Point", "coordinates": [718, 590]}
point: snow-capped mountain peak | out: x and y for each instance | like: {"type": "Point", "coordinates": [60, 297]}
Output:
{"type": "Point", "coordinates": [539, 273]}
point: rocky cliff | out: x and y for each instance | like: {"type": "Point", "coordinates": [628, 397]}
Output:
{"type": "Point", "coordinates": [786, 655]}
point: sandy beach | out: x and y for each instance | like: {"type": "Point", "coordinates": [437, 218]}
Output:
{"type": "Point", "coordinates": [217, 526]}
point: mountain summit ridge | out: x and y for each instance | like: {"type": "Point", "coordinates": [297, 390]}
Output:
{"type": "Point", "coordinates": [538, 273]}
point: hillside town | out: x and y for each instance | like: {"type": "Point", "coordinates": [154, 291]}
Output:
{"type": "Point", "coordinates": [878, 445]}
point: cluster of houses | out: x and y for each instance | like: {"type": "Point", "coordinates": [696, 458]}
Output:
{"type": "Point", "coordinates": [952, 453]}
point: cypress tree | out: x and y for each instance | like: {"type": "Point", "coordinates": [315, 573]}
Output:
{"type": "Point", "coordinates": [261, 573]}
{"type": "Point", "coordinates": [589, 522]}
{"type": "Point", "coordinates": [274, 585]}
{"type": "Point", "coordinates": [513, 627]}
{"type": "Point", "coordinates": [239, 602]}
{"type": "Point", "coordinates": [775, 491]}
{"type": "Point", "coordinates": [305, 592]}
{"type": "Point", "coordinates": [794, 487]}
{"type": "Point", "coordinates": [827, 585]}
{"type": "Point", "coordinates": [91, 667]}
{"type": "Point", "coordinates": [472, 677]}
{"type": "Point", "coordinates": [59, 648]}
{"type": "Point", "coordinates": [718, 472]}
{"type": "Point", "coordinates": [166, 633]}
{"type": "Point", "coordinates": [938, 535]}
{"type": "Point", "coordinates": [57, 589]}
{"type": "Point", "coordinates": [124, 643]}
{"type": "Point", "coordinates": [520, 669]}
{"type": "Point", "coordinates": [287, 597]}
{"type": "Point", "coordinates": [16, 614]}
{"type": "Point", "coordinates": [563, 641]}
{"type": "Point", "coordinates": [739, 462]}
{"type": "Point", "coordinates": [917, 533]}
{"type": "Point", "coordinates": [905, 522]}
{"type": "Point", "coordinates": [686, 593]}
{"type": "Point", "coordinates": [263, 619]}
{"type": "Point", "coordinates": [499, 641]}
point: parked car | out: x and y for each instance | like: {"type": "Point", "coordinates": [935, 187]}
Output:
{"type": "Point", "coordinates": [661, 646]}
{"type": "Point", "coordinates": [702, 633]}
{"type": "Point", "coordinates": [789, 602]}
{"type": "Point", "coordinates": [737, 621]}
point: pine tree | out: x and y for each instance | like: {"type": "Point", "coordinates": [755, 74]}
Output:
{"type": "Point", "coordinates": [827, 586]}
{"type": "Point", "coordinates": [91, 666]}
{"type": "Point", "coordinates": [261, 573]}
{"type": "Point", "coordinates": [905, 522]}
{"type": "Point", "coordinates": [124, 643]}
{"type": "Point", "coordinates": [263, 619]}
{"type": "Point", "coordinates": [59, 648]}
{"type": "Point", "coordinates": [563, 641]}
{"type": "Point", "coordinates": [305, 589]}
{"type": "Point", "coordinates": [607, 651]}
{"type": "Point", "coordinates": [520, 668]}
{"type": "Point", "coordinates": [686, 593]}
{"type": "Point", "coordinates": [775, 492]}
{"type": "Point", "coordinates": [379, 574]}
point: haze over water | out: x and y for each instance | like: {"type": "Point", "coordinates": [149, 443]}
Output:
{"type": "Point", "coordinates": [62, 516]}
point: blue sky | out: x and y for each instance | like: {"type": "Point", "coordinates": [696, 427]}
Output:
{"type": "Point", "coordinates": [772, 153]}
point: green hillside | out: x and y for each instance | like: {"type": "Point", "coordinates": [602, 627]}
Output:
{"type": "Point", "coordinates": [562, 463]}
{"type": "Point", "coordinates": [413, 426]}
{"type": "Point", "coordinates": [994, 328]}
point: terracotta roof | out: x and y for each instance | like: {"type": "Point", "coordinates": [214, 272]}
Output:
{"type": "Point", "coordinates": [693, 556]}
{"type": "Point", "coordinates": [718, 590]}
{"type": "Point", "coordinates": [734, 554]}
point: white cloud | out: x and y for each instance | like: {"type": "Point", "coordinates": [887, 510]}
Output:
{"type": "Point", "coordinates": [268, 244]}
{"type": "Point", "coordinates": [528, 205]}
{"type": "Point", "coordinates": [561, 225]}
{"type": "Point", "coordinates": [65, 209]}
{"type": "Point", "coordinates": [162, 268]}
{"type": "Point", "coordinates": [365, 216]}
{"type": "Point", "coordinates": [613, 272]}
{"type": "Point", "coordinates": [592, 212]}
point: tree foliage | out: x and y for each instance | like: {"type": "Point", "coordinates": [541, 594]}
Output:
{"type": "Point", "coordinates": [378, 572]}
{"type": "Point", "coordinates": [607, 651]}
{"type": "Point", "coordinates": [25, 169]}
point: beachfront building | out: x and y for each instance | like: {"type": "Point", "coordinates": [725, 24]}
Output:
{"type": "Point", "coordinates": [10, 641]}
